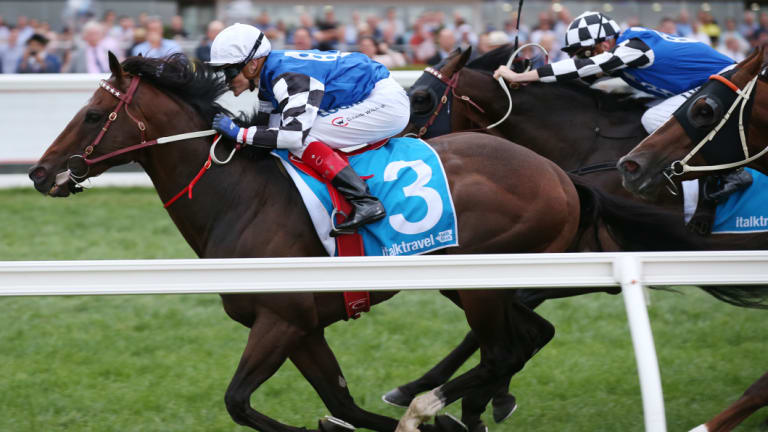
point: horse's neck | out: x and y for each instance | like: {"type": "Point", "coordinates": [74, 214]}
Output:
{"type": "Point", "coordinates": [564, 125]}
{"type": "Point", "coordinates": [235, 209]}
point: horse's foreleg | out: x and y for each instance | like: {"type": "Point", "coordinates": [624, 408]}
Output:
{"type": "Point", "coordinates": [268, 343]}
{"type": "Point", "coordinates": [752, 400]}
{"type": "Point", "coordinates": [438, 375]}
{"type": "Point", "coordinates": [509, 334]}
{"type": "Point", "coordinates": [315, 360]}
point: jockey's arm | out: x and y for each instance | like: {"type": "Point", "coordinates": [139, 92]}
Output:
{"type": "Point", "coordinates": [298, 98]}
{"type": "Point", "coordinates": [632, 53]}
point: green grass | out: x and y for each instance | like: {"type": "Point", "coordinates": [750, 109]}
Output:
{"type": "Point", "coordinates": [162, 363]}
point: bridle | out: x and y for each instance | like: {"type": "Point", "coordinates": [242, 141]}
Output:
{"type": "Point", "coordinates": [125, 100]}
{"type": "Point", "coordinates": [453, 82]}
{"type": "Point", "coordinates": [742, 99]}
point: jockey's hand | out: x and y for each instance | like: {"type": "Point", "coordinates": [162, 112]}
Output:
{"type": "Point", "coordinates": [226, 126]}
{"type": "Point", "coordinates": [514, 77]}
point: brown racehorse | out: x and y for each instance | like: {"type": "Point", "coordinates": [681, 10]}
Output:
{"type": "Point", "coordinates": [585, 132]}
{"type": "Point", "coordinates": [507, 198]}
{"type": "Point", "coordinates": [663, 155]}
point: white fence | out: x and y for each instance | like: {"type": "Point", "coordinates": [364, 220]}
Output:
{"type": "Point", "coordinates": [631, 271]}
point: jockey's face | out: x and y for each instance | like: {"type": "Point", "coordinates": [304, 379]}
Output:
{"type": "Point", "coordinates": [248, 78]}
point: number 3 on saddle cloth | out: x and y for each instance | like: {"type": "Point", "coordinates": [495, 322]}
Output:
{"type": "Point", "coordinates": [407, 176]}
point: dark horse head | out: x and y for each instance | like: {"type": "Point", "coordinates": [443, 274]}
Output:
{"type": "Point", "coordinates": [721, 126]}
{"type": "Point", "coordinates": [117, 117]}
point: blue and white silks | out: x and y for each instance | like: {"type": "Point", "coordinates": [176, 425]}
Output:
{"type": "Point", "coordinates": [409, 179]}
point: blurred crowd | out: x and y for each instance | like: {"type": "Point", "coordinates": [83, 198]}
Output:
{"type": "Point", "coordinates": [29, 45]}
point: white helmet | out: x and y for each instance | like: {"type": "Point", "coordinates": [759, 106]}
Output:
{"type": "Point", "coordinates": [237, 44]}
{"type": "Point", "coordinates": [589, 29]}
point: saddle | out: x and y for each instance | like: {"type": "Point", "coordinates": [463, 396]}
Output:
{"type": "Point", "coordinates": [714, 190]}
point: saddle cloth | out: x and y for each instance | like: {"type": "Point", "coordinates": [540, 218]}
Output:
{"type": "Point", "coordinates": [745, 211]}
{"type": "Point", "coordinates": [407, 176]}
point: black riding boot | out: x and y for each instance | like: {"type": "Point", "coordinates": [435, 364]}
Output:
{"type": "Point", "coordinates": [719, 187]}
{"type": "Point", "coordinates": [365, 207]}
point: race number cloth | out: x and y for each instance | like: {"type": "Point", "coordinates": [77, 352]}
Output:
{"type": "Point", "coordinates": [745, 211]}
{"type": "Point", "coordinates": [407, 176]}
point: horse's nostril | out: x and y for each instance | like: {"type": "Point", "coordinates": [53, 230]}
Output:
{"type": "Point", "coordinates": [630, 166]}
{"type": "Point", "coordinates": [38, 174]}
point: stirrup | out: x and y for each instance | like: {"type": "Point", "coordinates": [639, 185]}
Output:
{"type": "Point", "coordinates": [335, 232]}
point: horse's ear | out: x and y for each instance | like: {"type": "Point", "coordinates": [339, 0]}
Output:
{"type": "Point", "coordinates": [456, 61]}
{"type": "Point", "coordinates": [114, 66]}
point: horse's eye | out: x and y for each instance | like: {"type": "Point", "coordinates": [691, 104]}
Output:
{"type": "Point", "coordinates": [705, 112]}
{"type": "Point", "coordinates": [92, 116]}
{"type": "Point", "coordinates": [421, 102]}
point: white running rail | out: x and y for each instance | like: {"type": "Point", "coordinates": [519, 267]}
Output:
{"type": "Point", "coordinates": [631, 271]}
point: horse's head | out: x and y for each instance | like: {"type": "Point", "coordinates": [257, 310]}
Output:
{"type": "Point", "coordinates": [719, 127]}
{"type": "Point", "coordinates": [431, 99]}
{"type": "Point", "coordinates": [97, 129]}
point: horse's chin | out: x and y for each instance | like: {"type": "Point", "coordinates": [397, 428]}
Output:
{"type": "Point", "coordinates": [63, 186]}
{"type": "Point", "coordinates": [647, 188]}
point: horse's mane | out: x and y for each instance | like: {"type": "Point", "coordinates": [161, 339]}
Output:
{"type": "Point", "coordinates": [194, 82]}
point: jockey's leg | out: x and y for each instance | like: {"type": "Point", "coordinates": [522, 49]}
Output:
{"type": "Point", "coordinates": [365, 207]}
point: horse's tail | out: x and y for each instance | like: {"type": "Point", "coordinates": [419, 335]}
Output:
{"type": "Point", "coordinates": [639, 226]}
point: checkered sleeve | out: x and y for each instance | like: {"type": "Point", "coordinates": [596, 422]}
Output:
{"type": "Point", "coordinates": [632, 53]}
{"type": "Point", "coordinates": [298, 98]}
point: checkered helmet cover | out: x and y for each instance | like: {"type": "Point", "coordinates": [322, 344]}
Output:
{"type": "Point", "coordinates": [589, 29]}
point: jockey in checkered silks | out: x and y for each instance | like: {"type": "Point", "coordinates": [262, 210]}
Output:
{"type": "Point", "coordinates": [311, 101]}
{"type": "Point", "coordinates": [668, 67]}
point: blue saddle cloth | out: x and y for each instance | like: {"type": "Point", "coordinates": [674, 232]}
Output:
{"type": "Point", "coordinates": [409, 179]}
{"type": "Point", "coordinates": [745, 211]}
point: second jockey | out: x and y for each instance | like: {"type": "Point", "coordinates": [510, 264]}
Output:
{"type": "Point", "coordinates": [311, 102]}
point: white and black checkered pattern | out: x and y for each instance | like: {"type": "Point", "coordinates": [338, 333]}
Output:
{"type": "Point", "coordinates": [588, 29]}
{"type": "Point", "coordinates": [298, 98]}
{"type": "Point", "coordinates": [632, 53]}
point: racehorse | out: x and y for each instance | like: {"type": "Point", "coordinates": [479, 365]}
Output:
{"type": "Point", "coordinates": [584, 131]}
{"type": "Point", "coordinates": [507, 198]}
{"type": "Point", "coordinates": [721, 126]}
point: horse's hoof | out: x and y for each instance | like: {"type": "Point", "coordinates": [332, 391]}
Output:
{"type": "Point", "coordinates": [503, 407]}
{"type": "Point", "coordinates": [449, 423]}
{"type": "Point", "coordinates": [332, 424]}
{"type": "Point", "coordinates": [397, 398]}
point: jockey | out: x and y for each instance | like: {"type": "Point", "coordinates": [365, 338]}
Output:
{"type": "Point", "coordinates": [311, 101]}
{"type": "Point", "coordinates": [669, 67]}
{"type": "Point", "coordinates": [666, 66]}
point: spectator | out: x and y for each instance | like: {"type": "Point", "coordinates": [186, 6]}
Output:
{"type": "Point", "coordinates": [446, 42]}
{"type": "Point", "coordinates": [731, 31]}
{"type": "Point", "coordinates": [350, 29]}
{"type": "Point", "coordinates": [668, 26]}
{"type": "Point", "coordinates": [380, 52]}
{"type": "Point", "coordinates": [732, 47]}
{"type": "Point", "coordinates": [392, 29]}
{"type": "Point", "coordinates": [109, 21]}
{"type": "Point", "coordinates": [327, 35]}
{"type": "Point", "coordinates": [176, 29]}
{"type": "Point", "coordinates": [91, 55]}
{"type": "Point", "coordinates": [683, 24]}
{"type": "Point", "coordinates": [552, 46]}
{"type": "Point", "coordinates": [421, 43]}
{"type": "Point", "coordinates": [123, 34]}
{"type": "Point", "coordinates": [203, 51]}
{"type": "Point", "coordinates": [489, 41]}
{"type": "Point", "coordinates": [509, 29]}
{"type": "Point", "coordinates": [544, 25]}
{"type": "Point", "coordinates": [748, 26]}
{"type": "Point", "coordinates": [463, 33]}
{"type": "Point", "coordinates": [62, 47]}
{"type": "Point", "coordinates": [25, 30]}
{"type": "Point", "coordinates": [4, 31]}
{"type": "Point", "coordinates": [302, 39]}
{"type": "Point", "coordinates": [35, 59]}
{"type": "Point", "coordinates": [155, 45]}
{"type": "Point", "coordinates": [11, 53]}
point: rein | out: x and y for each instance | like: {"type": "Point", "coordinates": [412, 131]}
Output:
{"type": "Point", "coordinates": [125, 100]}
{"type": "Point", "coordinates": [681, 166]}
{"type": "Point", "coordinates": [450, 87]}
